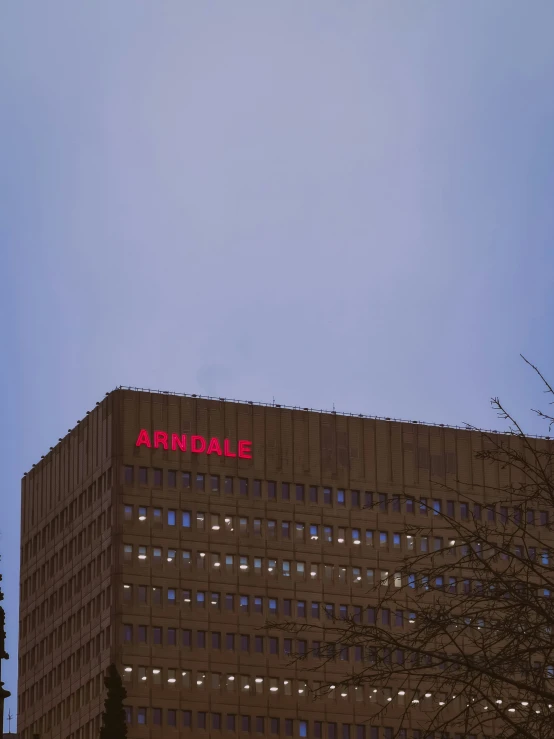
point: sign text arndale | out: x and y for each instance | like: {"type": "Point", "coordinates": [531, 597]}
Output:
{"type": "Point", "coordinates": [198, 444]}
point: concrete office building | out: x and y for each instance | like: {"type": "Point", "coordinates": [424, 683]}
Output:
{"type": "Point", "coordinates": [163, 530]}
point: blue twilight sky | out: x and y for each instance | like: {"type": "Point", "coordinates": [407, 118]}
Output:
{"type": "Point", "coordinates": [327, 201]}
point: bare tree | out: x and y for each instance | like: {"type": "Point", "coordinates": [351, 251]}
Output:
{"type": "Point", "coordinates": [460, 638]}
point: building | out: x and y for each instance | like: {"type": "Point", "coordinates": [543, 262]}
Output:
{"type": "Point", "coordinates": [163, 530]}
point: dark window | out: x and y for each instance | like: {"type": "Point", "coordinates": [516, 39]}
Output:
{"type": "Point", "coordinates": [245, 723]}
{"type": "Point", "coordinates": [346, 731]}
{"type": "Point", "coordinates": [285, 529]}
{"type": "Point", "coordinates": [450, 510]}
{"type": "Point", "coordinates": [287, 647]}
{"type": "Point", "coordinates": [128, 473]}
{"type": "Point", "coordinates": [318, 730]}
{"type": "Point", "coordinates": [331, 730]}
{"type": "Point", "coordinates": [300, 493]}
{"type": "Point", "coordinates": [141, 716]}
{"type": "Point", "coordinates": [216, 640]}
{"type": "Point", "coordinates": [423, 506]}
{"type": "Point", "coordinates": [287, 607]}
{"type": "Point", "coordinates": [355, 498]}
{"type": "Point", "coordinates": [201, 639]}
{"type": "Point", "coordinates": [231, 722]}
{"type": "Point", "coordinates": [200, 482]}
{"type": "Point", "coordinates": [327, 496]}
{"type": "Point", "coordinates": [216, 721]}
{"type": "Point", "coordinates": [127, 633]}
{"type": "Point", "coordinates": [341, 498]}
{"type": "Point", "coordinates": [185, 479]}
{"type": "Point", "coordinates": [214, 483]}
{"type": "Point", "coordinates": [186, 639]}
{"type": "Point", "coordinates": [530, 516]}
{"type": "Point", "coordinates": [143, 475]}
{"type": "Point", "coordinates": [503, 514]}
{"type": "Point", "coordinates": [171, 717]}
{"type": "Point", "coordinates": [142, 634]}
{"type": "Point", "coordinates": [288, 726]}
{"type": "Point", "coordinates": [257, 488]}
{"type": "Point", "coordinates": [157, 635]}
{"type": "Point", "coordinates": [187, 719]}
{"type": "Point", "coordinates": [229, 602]}
{"type": "Point", "coordinates": [157, 716]}
{"type": "Point", "coordinates": [464, 510]}
{"type": "Point", "coordinates": [230, 642]}
{"type": "Point", "coordinates": [243, 486]}
{"type": "Point", "coordinates": [301, 609]}
{"type": "Point", "coordinates": [315, 609]}
{"type": "Point", "coordinates": [383, 501]}
{"type": "Point", "coordinates": [313, 494]}
{"type": "Point", "coordinates": [259, 644]}
{"type": "Point", "coordinates": [302, 646]}
{"type": "Point", "coordinates": [228, 486]}
{"type": "Point", "coordinates": [274, 726]}
{"type": "Point", "coordinates": [285, 491]}
{"type": "Point", "coordinates": [271, 490]}
{"type": "Point", "coordinates": [360, 731]}
{"type": "Point", "coordinates": [260, 724]}
{"type": "Point", "coordinates": [258, 604]}
{"type": "Point", "coordinates": [410, 505]}
{"type": "Point", "coordinates": [201, 719]}
{"type": "Point", "coordinates": [543, 518]}
{"type": "Point", "coordinates": [491, 513]}
{"type": "Point", "coordinates": [396, 504]}
{"type": "Point", "coordinates": [477, 511]}
{"type": "Point", "coordinates": [171, 478]}
{"type": "Point", "coordinates": [243, 604]}
{"type": "Point", "coordinates": [172, 637]}
{"type": "Point", "coordinates": [244, 643]}
{"type": "Point", "coordinates": [157, 478]}
{"type": "Point", "coordinates": [273, 645]}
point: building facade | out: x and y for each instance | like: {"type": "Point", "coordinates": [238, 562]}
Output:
{"type": "Point", "coordinates": [164, 531]}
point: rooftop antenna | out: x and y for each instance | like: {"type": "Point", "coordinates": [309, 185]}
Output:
{"type": "Point", "coordinates": [274, 400]}
{"type": "Point", "coordinates": [9, 717]}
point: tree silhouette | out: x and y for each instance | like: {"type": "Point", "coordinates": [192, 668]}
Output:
{"type": "Point", "coordinates": [114, 725]}
{"type": "Point", "coordinates": [459, 636]}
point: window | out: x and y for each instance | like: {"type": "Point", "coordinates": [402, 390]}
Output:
{"type": "Point", "coordinates": [200, 482]}
{"type": "Point", "coordinates": [230, 642]}
{"type": "Point", "coordinates": [285, 529]}
{"type": "Point", "coordinates": [171, 478]}
{"type": "Point", "coordinates": [437, 507]}
{"type": "Point", "coordinates": [464, 510]}
{"type": "Point", "coordinates": [410, 505]}
{"type": "Point", "coordinates": [288, 726]}
{"type": "Point", "coordinates": [543, 517]}
{"type": "Point", "coordinates": [328, 534]}
{"type": "Point", "coordinates": [128, 512]}
{"type": "Point", "coordinates": [158, 478]}
{"type": "Point", "coordinates": [383, 539]}
{"type": "Point", "coordinates": [285, 491]}
{"type": "Point", "coordinates": [185, 479]}
{"type": "Point", "coordinates": [383, 501]}
{"type": "Point", "coordinates": [243, 486]}
{"type": "Point", "coordinates": [356, 536]}
{"type": "Point", "coordinates": [245, 723]}
{"type": "Point", "coordinates": [128, 474]}
{"type": "Point", "coordinates": [157, 716]}
{"type": "Point", "coordinates": [313, 494]}
{"type": "Point", "coordinates": [185, 519]}
{"type": "Point", "coordinates": [228, 486]}
{"type": "Point", "coordinates": [171, 518]}
{"type": "Point", "coordinates": [273, 606]}
{"type": "Point", "coordinates": [301, 609]}
{"type": "Point", "coordinates": [341, 498]}
{"type": "Point", "coordinates": [201, 719]}
{"type": "Point", "coordinates": [127, 633]}
{"type": "Point", "coordinates": [327, 496]}
{"type": "Point", "coordinates": [271, 490]}
{"type": "Point", "coordinates": [274, 726]}
{"type": "Point", "coordinates": [141, 716]}
{"type": "Point", "coordinates": [231, 722]}
{"type": "Point", "coordinates": [243, 604]}
{"type": "Point", "coordinates": [303, 728]}
{"type": "Point", "coordinates": [300, 493]}
{"type": "Point", "coordinates": [260, 724]}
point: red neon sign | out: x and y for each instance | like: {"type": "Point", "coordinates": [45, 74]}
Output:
{"type": "Point", "coordinates": [198, 444]}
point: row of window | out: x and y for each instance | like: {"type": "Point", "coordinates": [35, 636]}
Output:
{"type": "Point", "coordinates": [171, 636]}
{"type": "Point", "coordinates": [273, 726]}
{"type": "Point", "coordinates": [338, 497]}
{"type": "Point", "coordinates": [67, 516]}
